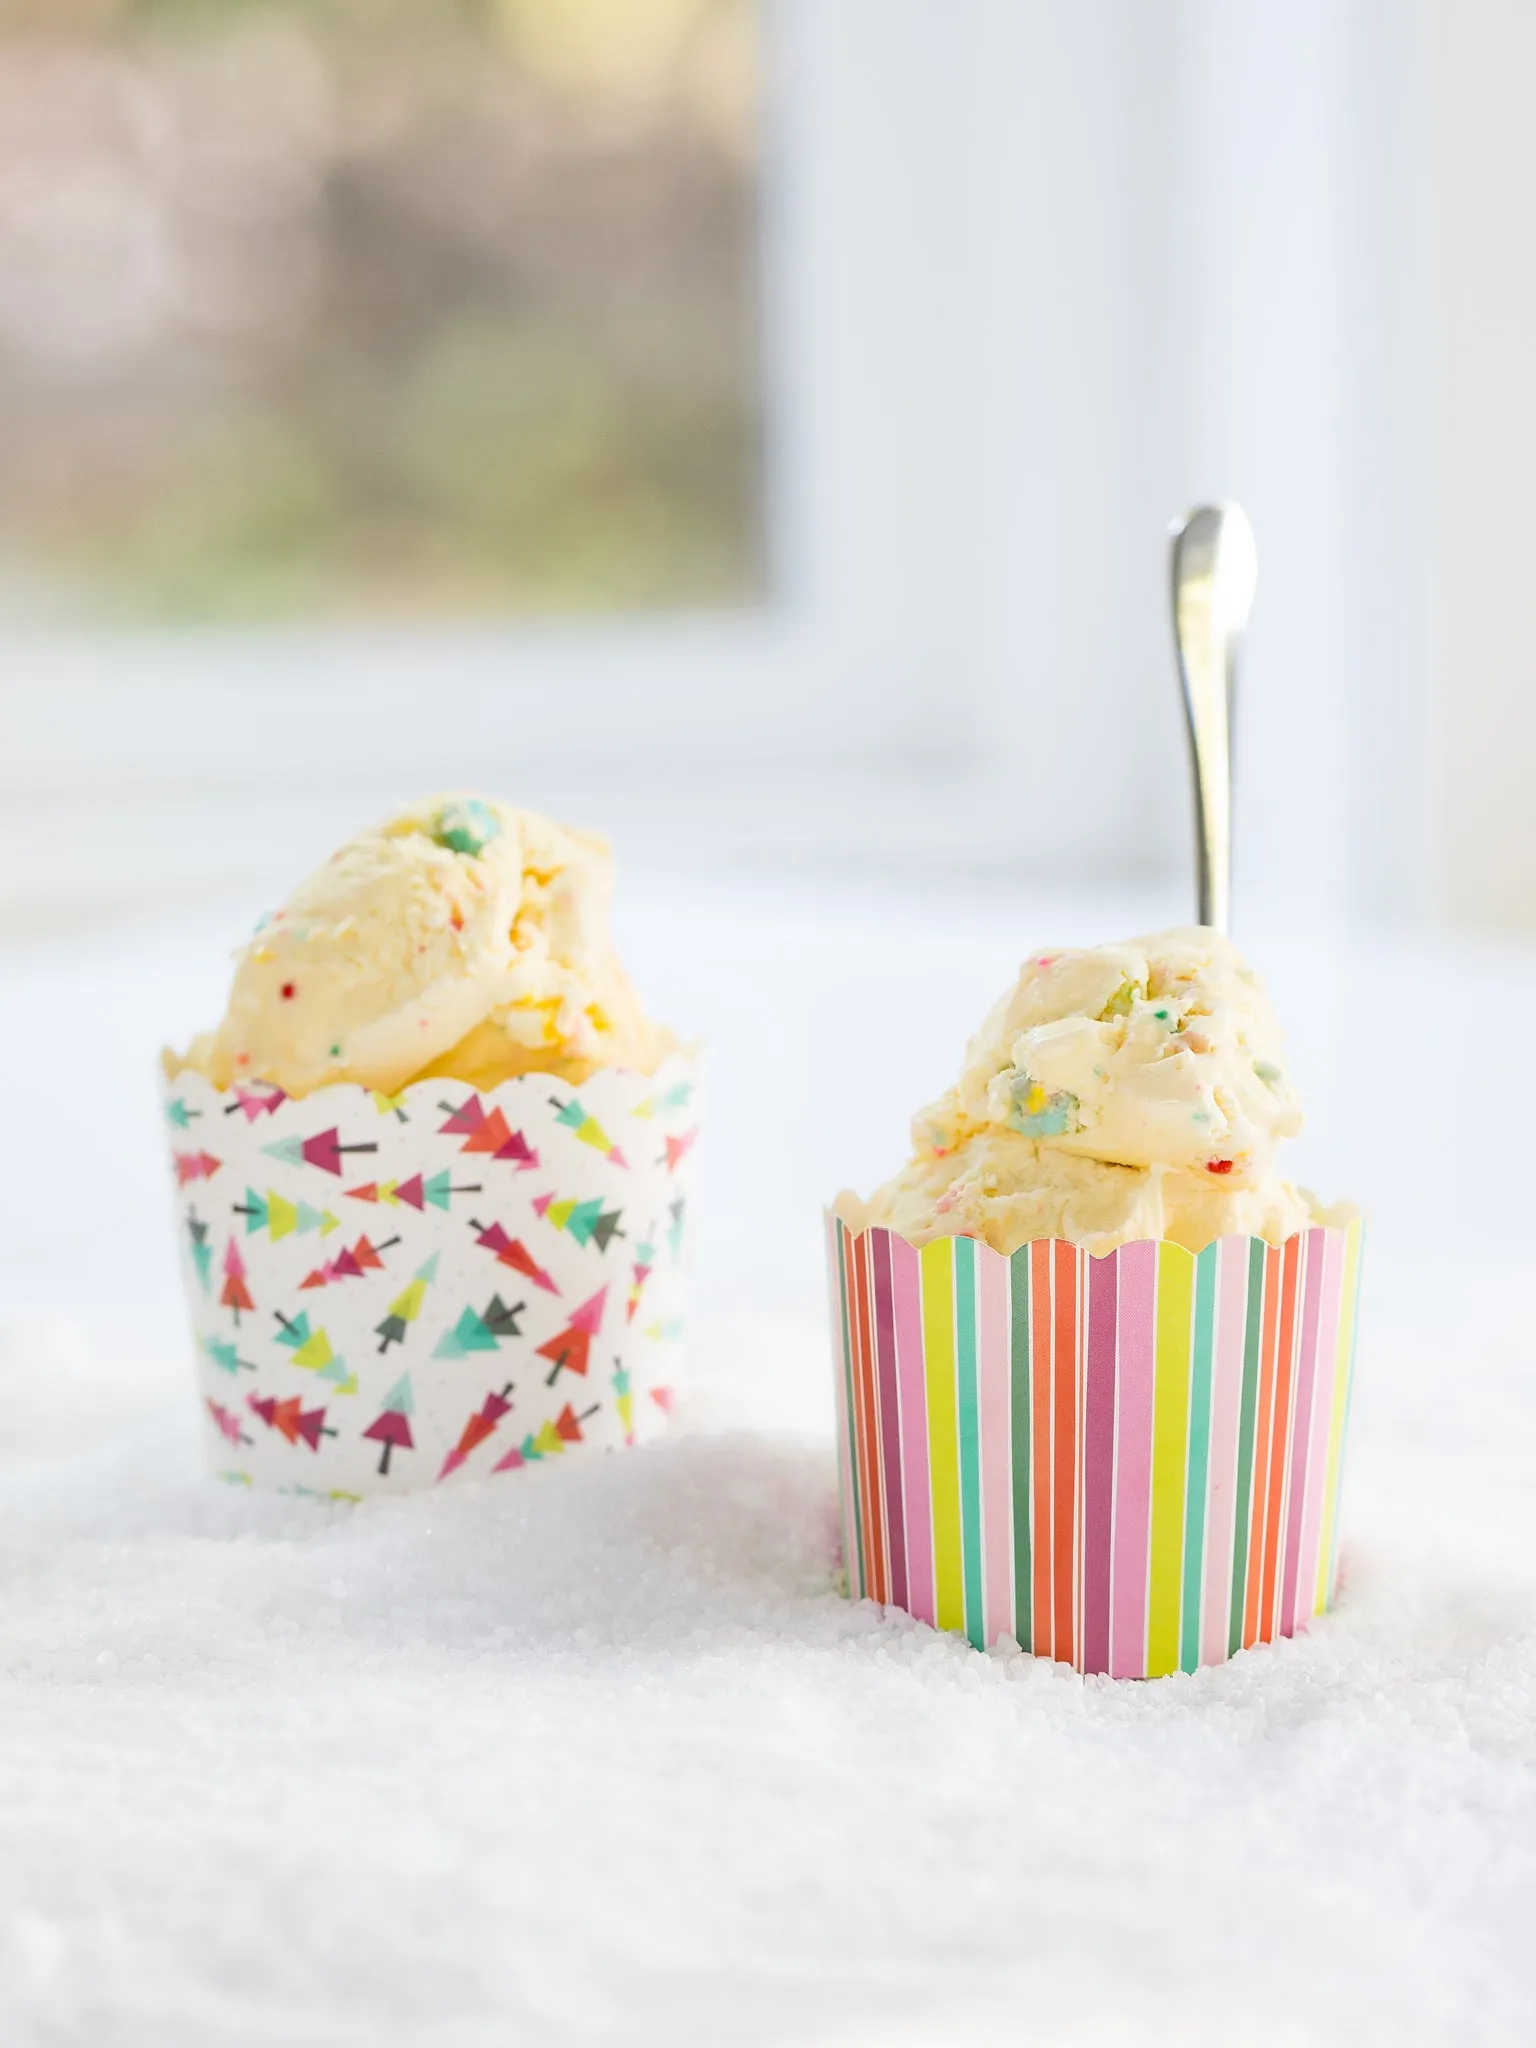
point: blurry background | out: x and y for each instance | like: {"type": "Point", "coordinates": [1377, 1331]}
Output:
{"type": "Point", "coordinates": [750, 427]}
{"type": "Point", "coordinates": [378, 310]}
{"type": "Point", "coordinates": [754, 425]}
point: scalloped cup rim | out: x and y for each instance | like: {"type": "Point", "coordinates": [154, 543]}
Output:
{"type": "Point", "coordinates": [689, 1058]}
{"type": "Point", "coordinates": [831, 1214]}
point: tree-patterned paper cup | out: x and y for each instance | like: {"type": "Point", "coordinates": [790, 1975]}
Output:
{"type": "Point", "coordinates": [1130, 1464]}
{"type": "Point", "coordinates": [397, 1291]}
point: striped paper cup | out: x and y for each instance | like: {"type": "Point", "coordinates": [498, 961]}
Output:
{"type": "Point", "coordinates": [1130, 1464]}
{"type": "Point", "coordinates": [394, 1291]}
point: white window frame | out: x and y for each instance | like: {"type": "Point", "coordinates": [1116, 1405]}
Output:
{"type": "Point", "coordinates": [1013, 322]}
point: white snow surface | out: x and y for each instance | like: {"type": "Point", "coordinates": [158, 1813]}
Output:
{"type": "Point", "coordinates": [598, 1754]}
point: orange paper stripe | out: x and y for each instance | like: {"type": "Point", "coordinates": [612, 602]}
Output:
{"type": "Point", "coordinates": [1263, 1430]}
{"type": "Point", "coordinates": [1285, 1357]}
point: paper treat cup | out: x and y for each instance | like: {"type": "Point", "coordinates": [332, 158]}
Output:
{"type": "Point", "coordinates": [1130, 1464]}
{"type": "Point", "coordinates": [391, 1292]}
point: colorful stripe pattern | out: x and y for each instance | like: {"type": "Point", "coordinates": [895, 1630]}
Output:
{"type": "Point", "coordinates": [1130, 1464]}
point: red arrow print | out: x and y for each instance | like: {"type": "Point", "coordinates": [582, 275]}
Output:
{"type": "Point", "coordinates": [255, 1101]}
{"type": "Point", "coordinates": [325, 1149]}
{"type": "Point", "coordinates": [677, 1149]}
{"type": "Point", "coordinates": [195, 1166]}
{"type": "Point", "coordinates": [511, 1251]}
{"type": "Point", "coordinates": [465, 1120]}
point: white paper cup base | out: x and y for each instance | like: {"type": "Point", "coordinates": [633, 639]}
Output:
{"type": "Point", "coordinates": [392, 1292]}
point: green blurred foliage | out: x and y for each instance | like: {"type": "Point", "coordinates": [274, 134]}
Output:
{"type": "Point", "coordinates": [446, 309]}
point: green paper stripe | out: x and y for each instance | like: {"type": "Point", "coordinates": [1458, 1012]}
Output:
{"type": "Point", "coordinates": [937, 1266]}
{"type": "Point", "coordinates": [1170, 1456]}
{"type": "Point", "coordinates": [1252, 1339]}
{"type": "Point", "coordinates": [1199, 1452]}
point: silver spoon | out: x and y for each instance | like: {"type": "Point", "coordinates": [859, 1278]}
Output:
{"type": "Point", "coordinates": [1214, 569]}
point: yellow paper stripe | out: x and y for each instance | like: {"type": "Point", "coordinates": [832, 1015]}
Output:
{"type": "Point", "coordinates": [1170, 1452]}
{"type": "Point", "coordinates": [1341, 1371]}
{"type": "Point", "coordinates": [937, 1270]}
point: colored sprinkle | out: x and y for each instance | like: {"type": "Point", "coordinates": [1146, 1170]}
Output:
{"type": "Point", "coordinates": [1036, 1114]}
{"type": "Point", "coordinates": [1161, 1015]}
{"type": "Point", "coordinates": [1268, 1074]}
{"type": "Point", "coordinates": [335, 1052]}
{"type": "Point", "coordinates": [456, 918]}
{"type": "Point", "coordinates": [242, 1059]}
{"type": "Point", "coordinates": [467, 827]}
{"type": "Point", "coordinates": [1218, 1166]}
{"type": "Point", "coordinates": [1120, 1003]}
{"type": "Point", "coordinates": [288, 991]}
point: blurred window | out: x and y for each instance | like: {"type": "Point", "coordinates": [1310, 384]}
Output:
{"type": "Point", "coordinates": [363, 309]}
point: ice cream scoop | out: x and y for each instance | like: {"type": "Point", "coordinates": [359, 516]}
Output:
{"type": "Point", "coordinates": [460, 937]}
{"type": "Point", "coordinates": [1113, 1093]}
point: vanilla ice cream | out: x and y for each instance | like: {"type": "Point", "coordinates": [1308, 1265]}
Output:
{"type": "Point", "coordinates": [1114, 1093]}
{"type": "Point", "coordinates": [461, 937]}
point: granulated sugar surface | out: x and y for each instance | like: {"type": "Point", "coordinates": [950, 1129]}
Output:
{"type": "Point", "coordinates": [598, 1754]}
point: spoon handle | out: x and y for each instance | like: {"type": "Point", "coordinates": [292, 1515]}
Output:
{"type": "Point", "coordinates": [1213, 570]}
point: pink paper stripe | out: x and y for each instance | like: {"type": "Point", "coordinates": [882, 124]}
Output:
{"type": "Point", "coordinates": [883, 1317]}
{"type": "Point", "coordinates": [994, 1375]}
{"type": "Point", "coordinates": [1317, 1434]}
{"type": "Point", "coordinates": [1314, 1247]}
{"type": "Point", "coordinates": [917, 1518]}
{"type": "Point", "coordinates": [837, 1241]}
{"type": "Point", "coordinates": [1135, 1361]}
{"type": "Point", "coordinates": [1096, 1481]}
{"type": "Point", "coordinates": [1226, 1413]}
{"type": "Point", "coordinates": [866, 1451]}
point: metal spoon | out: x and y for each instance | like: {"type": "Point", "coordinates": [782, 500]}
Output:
{"type": "Point", "coordinates": [1214, 569]}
